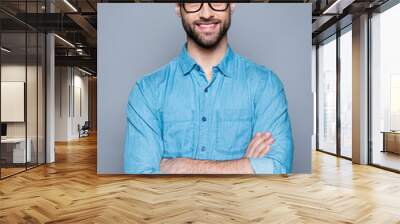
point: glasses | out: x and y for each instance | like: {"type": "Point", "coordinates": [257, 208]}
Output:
{"type": "Point", "coordinates": [195, 7]}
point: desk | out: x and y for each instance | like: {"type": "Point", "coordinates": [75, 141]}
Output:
{"type": "Point", "coordinates": [391, 141]}
{"type": "Point", "coordinates": [16, 147]}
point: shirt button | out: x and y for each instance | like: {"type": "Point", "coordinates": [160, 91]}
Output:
{"type": "Point", "coordinates": [203, 148]}
{"type": "Point", "coordinates": [204, 119]}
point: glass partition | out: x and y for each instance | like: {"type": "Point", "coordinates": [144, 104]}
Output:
{"type": "Point", "coordinates": [13, 109]}
{"type": "Point", "coordinates": [32, 94]}
{"type": "Point", "coordinates": [22, 101]}
{"type": "Point", "coordinates": [327, 95]}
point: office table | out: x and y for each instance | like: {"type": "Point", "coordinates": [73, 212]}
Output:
{"type": "Point", "coordinates": [16, 147]}
{"type": "Point", "coordinates": [391, 141]}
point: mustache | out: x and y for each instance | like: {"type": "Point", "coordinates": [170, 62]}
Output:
{"type": "Point", "coordinates": [206, 22]}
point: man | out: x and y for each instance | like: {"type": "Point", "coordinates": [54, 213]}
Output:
{"type": "Point", "coordinates": [210, 110]}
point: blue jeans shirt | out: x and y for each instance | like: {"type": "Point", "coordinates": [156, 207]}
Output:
{"type": "Point", "coordinates": [176, 112]}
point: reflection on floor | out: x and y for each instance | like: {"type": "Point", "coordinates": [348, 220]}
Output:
{"type": "Point", "coordinates": [70, 191]}
{"type": "Point", "coordinates": [386, 159]}
{"type": "Point", "coordinates": [10, 169]}
{"type": "Point", "coordinates": [346, 152]}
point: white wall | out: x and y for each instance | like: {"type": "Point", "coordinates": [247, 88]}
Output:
{"type": "Point", "coordinates": [13, 73]}
{"type": "Point", "coordinates": [69, 82]}
{"type": "Point", "coordinates": [80, 83]}
{"type": "Point", "coordinates": [62, 80]}
{"type": "Point", "coordinates": [17, 73]}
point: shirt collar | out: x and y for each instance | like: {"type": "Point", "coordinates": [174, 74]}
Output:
{"type": "Point", "coordinates": [187, 62]}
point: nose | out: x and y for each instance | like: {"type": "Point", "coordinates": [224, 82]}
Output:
{"type": "Point", "coordinates": [206, 11]}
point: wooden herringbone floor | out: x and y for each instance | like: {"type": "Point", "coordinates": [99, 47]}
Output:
{"type": "Point", "coordinates": [70, 191]}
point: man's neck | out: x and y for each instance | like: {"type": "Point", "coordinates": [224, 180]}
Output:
{"type": "Point", "coordinates": [207, 58]}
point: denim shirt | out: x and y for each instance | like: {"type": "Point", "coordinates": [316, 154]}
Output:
{"type": "Point", "coordinates": [176, 112]}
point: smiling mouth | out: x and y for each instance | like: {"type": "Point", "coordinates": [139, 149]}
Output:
{"type": "Point", "coordinates": [207, 27]}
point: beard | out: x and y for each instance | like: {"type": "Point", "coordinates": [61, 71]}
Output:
{"type": "Point", "coordinates": [200, 38]}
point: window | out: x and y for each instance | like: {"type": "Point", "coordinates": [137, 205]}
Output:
{"type": "Point", "coordinates": [385, 89]}
{"type": "Point", "coordinates": [327, 95]}
{"type": "Point", "coordinates": [346, 74]}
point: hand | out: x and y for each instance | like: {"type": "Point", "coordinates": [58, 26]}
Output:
{"type": "Point", "coordinates": [175, 166]}
{"type": "Point", "coordinates": [260, 145]}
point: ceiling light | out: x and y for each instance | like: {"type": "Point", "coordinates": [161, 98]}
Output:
{"type": "Point", "coordinates": [84, 71]}
{"type": "Point", "coordinates": [338, 6]}
{"type": "Point", "coordinates": [65, 41]}
{"type": "Point", "coordinates": [70, 5]}
{"type": "Point", "coordinates": [5, 50]}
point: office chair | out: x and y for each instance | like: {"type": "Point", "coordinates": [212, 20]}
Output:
{"type": "Point", "coordinates": [84, 130]}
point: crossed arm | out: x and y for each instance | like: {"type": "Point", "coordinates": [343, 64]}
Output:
{"type": "Point", "coordinates": [258, 147]}
{"type": "Point", "coordinates": [143, 143]}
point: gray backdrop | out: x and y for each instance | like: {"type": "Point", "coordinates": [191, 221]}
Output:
{"type": "Point", "coordinates": [135, 39]}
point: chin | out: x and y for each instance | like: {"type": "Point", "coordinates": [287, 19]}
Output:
{"type": "Point", "coordinates": [209, 41]}
{"type": "Point", "coordinates": [209, 46]}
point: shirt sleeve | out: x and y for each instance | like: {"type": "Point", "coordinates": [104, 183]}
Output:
{"type": "Point", "coordinates": [271, 115]}
{"type": "Point", "coordinates": [143, 142]}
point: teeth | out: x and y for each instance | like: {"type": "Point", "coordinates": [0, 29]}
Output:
{"type": "Point", "coordinates": [207, 25]}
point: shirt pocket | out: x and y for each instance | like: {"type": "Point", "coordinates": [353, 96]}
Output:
{"type": "Point", "coordinates": [234, 128]}
{"type": "Point", "coordinates": [178, 128]}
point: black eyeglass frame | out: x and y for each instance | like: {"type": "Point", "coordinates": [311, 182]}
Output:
{"type": "Point", "coordinates": [201, 6]}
